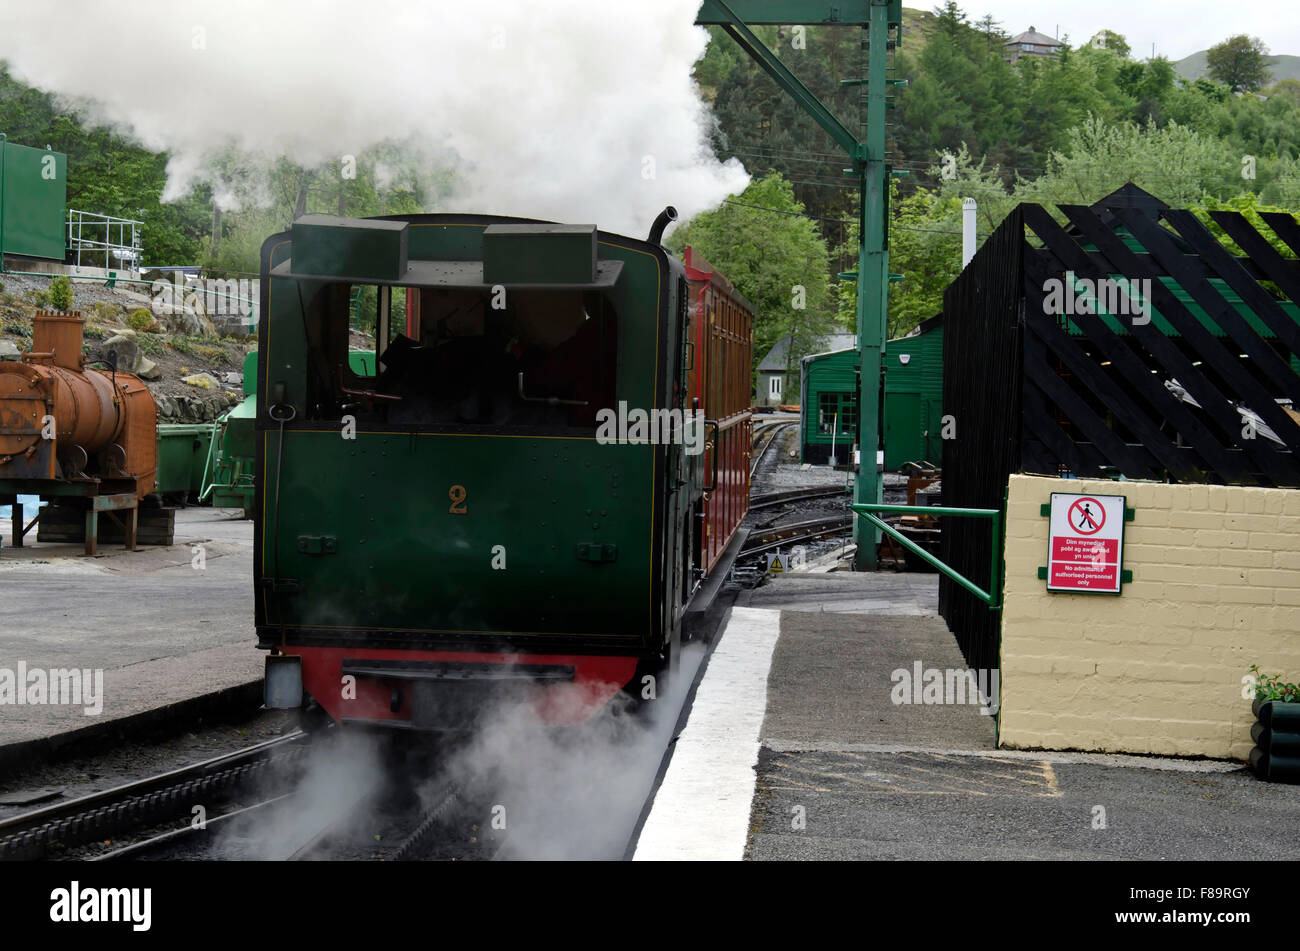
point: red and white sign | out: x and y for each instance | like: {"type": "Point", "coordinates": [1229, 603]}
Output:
{"type": "Point", "coordinates": [1086, 543]}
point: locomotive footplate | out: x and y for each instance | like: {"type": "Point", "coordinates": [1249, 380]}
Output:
{"type": "Point", "coordinates": [448, 695]}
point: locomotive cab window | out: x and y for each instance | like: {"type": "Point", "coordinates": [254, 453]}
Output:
{"type": "Point", "coordinates": [467, 357]}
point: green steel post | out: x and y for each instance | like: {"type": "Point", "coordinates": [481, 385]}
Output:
{"type": "Point", "coordinates": [869, 168]}
{"type": "Point", "coordinates": [873, 282]}
{"type": "Point", "coordinates": [4, 141]}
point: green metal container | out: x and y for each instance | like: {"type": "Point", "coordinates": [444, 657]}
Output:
{"type": "Point", "coordinates": [182, 455]}
{"type": "Point", "coordinates": [35, 196]}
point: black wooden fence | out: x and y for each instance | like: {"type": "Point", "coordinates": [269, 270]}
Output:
{"type": "Point", "coordinates": [1128, 342]}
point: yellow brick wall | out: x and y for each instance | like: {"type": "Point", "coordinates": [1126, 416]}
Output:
{"type": "Point", "coordinates": [1216, 588]}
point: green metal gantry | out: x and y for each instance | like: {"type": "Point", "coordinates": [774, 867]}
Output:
{"type": "Point", "coordinates": [880, 19]}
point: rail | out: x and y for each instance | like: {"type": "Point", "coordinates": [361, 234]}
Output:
{"type": "Point", "coordinates": [991, 598]}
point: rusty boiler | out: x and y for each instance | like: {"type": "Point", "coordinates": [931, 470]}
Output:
{"type": "Point", "coordinates": [61, 421]}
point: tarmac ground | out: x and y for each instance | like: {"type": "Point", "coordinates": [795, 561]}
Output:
{"type": "Point", "coordinates": [845, 764]}
{"type": "Point", "coordinates": [163, 625]}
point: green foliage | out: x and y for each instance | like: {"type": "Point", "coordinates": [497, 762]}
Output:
{"type": "Point", "coordinates": [764, 244]}
{"type": "Point", "coordinates": [2, 287]}
{"type": "Point", "coordinates": [1250, 206]}
{"type": "Point", "coordinates": [1240, 62]}
{"type": "Point", "coordinates": [39, 298]}
{"type": "Point", "coordinates": [106, 310]}
{"type": "Point", "coordinates": [1273, 687]}
{"type": "Point", "coordinates": [195, 347]}
{"type": "Point", "coordinates": [1115, 42]}
{"type": "Point", "coordinates": [62, 297]}
{"type": "Point", "coordinates": [16, 325]}
{"type": "Point", "coordinates": [150, 343]}
{"type": "Point", "coordinates": [140, 319]}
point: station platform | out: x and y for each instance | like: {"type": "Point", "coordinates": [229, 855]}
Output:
{"type": "Point", "coordinates": [805, 741]}
{"type": "Point", "coordinates": [162, 627]}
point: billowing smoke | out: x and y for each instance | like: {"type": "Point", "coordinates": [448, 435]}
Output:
{"type": "Point", "coordinates": [578, 110]}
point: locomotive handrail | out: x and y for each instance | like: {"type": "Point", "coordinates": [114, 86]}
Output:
{"type": "Point", "coordinates": [713, 486]}
{"type": "Point", "coordinates": [991, 597]}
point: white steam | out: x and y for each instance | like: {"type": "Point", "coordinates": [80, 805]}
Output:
{"type": "Point", "coordinates": [575, 792]}
{"type": "Point", "coordinates": [579, 110]}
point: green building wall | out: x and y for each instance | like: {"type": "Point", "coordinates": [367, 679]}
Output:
{"type": "Point", "coordinates": [35, 196]}
{"type": "Point", "coordinates": [912, 409]}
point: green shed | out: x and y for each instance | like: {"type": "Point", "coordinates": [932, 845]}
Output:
{"type": "Point", "coordinates": [828, 406]}
{"type": "Point", "coordinates": [913, 367]}
{"type": "Point", "coordinates": [33, 200]}
{"type": "Point", "coordinates": [914, 396]}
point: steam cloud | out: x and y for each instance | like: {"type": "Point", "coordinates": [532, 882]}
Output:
{"type": "Point", "coordinates": [550, 110]}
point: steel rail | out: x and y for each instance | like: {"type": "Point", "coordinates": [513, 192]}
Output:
{"type": "Point", "coordinates": [32, 835]}
{"type": "Point", "coordinates": [770, 499]}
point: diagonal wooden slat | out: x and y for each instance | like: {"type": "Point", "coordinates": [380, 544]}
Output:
{"type": "Point", "coordinates": [1038, 420]}
{"type": "Point", "coordinates": [1164, 350]}
{"type": "Point", "coordinates": [1234, 273]}
{"type": "Point", "coordinates": [1160, 245]}
{"type": "Point", "coordinates": [1133, 461]}
{"type": "Point", "coordinates": [1230, 466]}
{"type": "Point", "coordinates": [1094, 377]}
{"type": "Point", "coordinates": [1280, 271]}
{"type": "Point", "coordinates": [1285, 226]}
{"type": "Point", "coordinates": [1280, 469]}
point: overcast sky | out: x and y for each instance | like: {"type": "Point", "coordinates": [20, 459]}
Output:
{"type": "Point", "coordinates": [1178, 28]}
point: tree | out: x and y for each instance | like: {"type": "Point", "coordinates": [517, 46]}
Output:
{"type": "Point", "coordinates": [1239, 61]}
{"type": "Point", "coordinates": [1115, 42]}
{"type": "Point", "coordinates": [764, 244]}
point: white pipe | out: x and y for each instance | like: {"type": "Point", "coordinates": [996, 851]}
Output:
{"type": "Point", "coordinates": [968, 207]}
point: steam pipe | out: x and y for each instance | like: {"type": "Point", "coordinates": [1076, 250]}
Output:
{"type": "Point", "coordinates": [666, 217]}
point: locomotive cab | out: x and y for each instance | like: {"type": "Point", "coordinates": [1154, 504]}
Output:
{"type": "Point", "coordinates": [481, 516]}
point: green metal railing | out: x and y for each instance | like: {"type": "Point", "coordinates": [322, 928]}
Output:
{"type": "Point", "coordinates": [992, 597]}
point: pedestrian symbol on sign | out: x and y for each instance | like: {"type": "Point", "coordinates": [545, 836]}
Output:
{"type": "Point", "coordinates": [1087, 516]}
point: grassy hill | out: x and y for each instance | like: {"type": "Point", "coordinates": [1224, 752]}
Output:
{"type": "Point", "coordinates": [1195, 66]}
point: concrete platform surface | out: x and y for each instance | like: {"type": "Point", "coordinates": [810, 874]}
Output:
{"type": "Point", "coordinates": [155, 627]}
{"type": "Point", "coordinates": [868, 749]}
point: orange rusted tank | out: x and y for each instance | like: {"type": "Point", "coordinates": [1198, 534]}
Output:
{"type": "Point", "coordinates": [61, 421]}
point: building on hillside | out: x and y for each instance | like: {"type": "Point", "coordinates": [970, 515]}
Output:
{"type": "Point", "coordinates": [1032, 43]}
{"type": "Point", "coordinates": [773, 371]}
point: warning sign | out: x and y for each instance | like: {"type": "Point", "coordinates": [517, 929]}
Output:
{"type": "Point", "coordinates": [1086, 543]}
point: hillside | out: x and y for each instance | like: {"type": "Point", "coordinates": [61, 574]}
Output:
{"type": "Point", "coordinates": [1195, 66]}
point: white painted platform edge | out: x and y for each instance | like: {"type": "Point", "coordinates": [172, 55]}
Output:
{"type": "Point", "coordinates": [701, 810]}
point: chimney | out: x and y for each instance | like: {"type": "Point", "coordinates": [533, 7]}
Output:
{"type": "Point", "coordinates": [57, 338]}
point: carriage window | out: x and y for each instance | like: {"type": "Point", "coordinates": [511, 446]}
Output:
{"type": "Point", "coordinates": [450, 357]}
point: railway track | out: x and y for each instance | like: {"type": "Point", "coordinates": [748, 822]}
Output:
{"type": "Point", "coordinates": [142, 804]}
{"type": "Point", "coordinates": [771, 431]}
{"type": "Point", "coordinates": [783, 535]}
{"type": "Point", "coordinates": [771, 499]}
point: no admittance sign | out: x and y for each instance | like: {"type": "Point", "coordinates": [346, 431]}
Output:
{"type": "Point", "coordinates": [1086, 544]}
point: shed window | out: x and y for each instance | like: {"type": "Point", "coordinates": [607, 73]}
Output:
{"type": "Point", "coordinates": [833, 405]}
